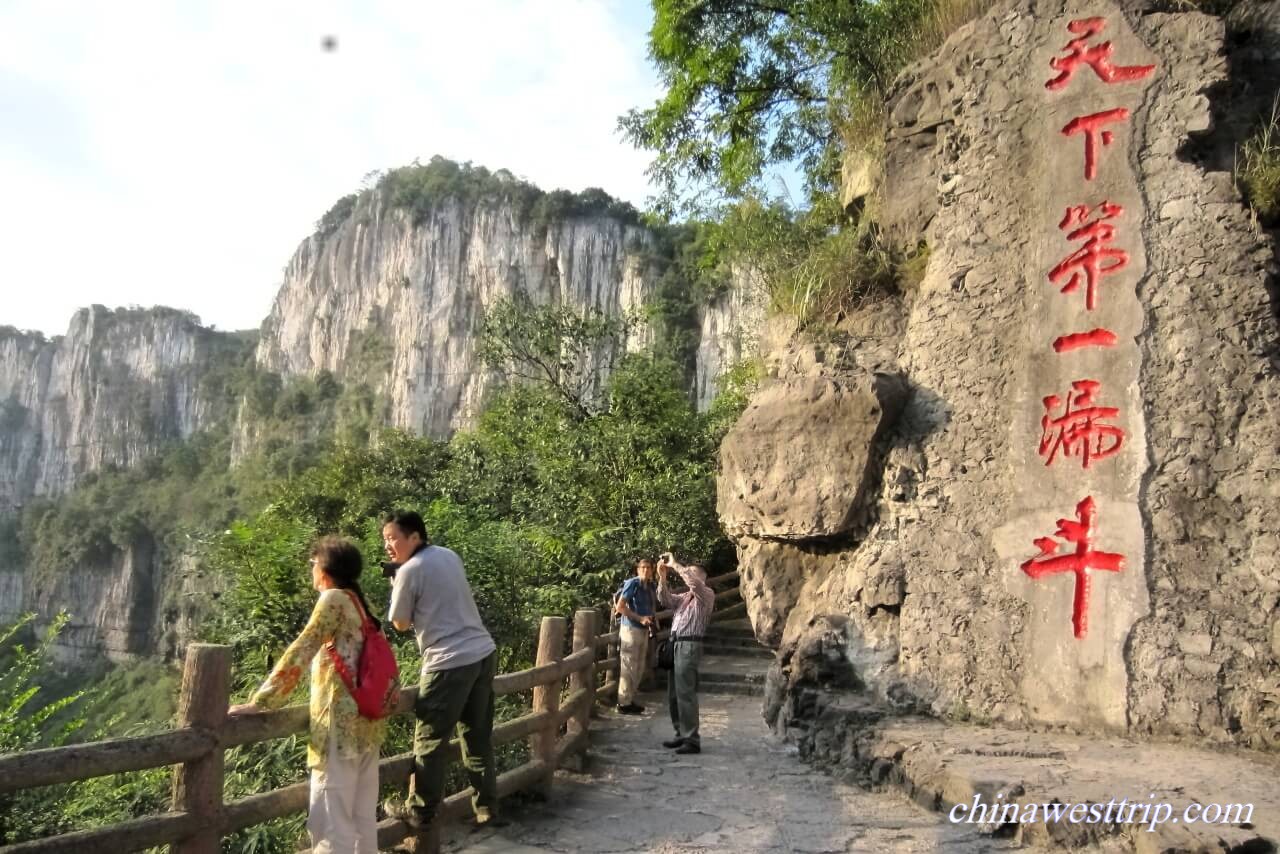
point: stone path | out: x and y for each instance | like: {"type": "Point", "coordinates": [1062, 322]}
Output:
{"type": "Point", "coordinates": [746, 793]}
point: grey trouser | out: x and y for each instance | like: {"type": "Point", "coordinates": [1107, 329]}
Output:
{"type": "Point", "coordinates": [459, 701]}
{"type": "Point", "coordinates": [682, 691]}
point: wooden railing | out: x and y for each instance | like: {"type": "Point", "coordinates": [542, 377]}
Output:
{"type": "Point", "coordinates": [557, 728]}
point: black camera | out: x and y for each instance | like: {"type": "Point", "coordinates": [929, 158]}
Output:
{"type": "Point", "coordinates": [389, 568]}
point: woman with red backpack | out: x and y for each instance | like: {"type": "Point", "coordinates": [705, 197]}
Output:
{"type": "Point", "coordinates": [342, 638]}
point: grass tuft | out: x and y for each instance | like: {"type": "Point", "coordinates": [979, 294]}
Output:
{"type": "Point", "coordinates": [1258, 169]}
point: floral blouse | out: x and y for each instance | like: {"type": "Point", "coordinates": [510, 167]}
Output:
{"type": "Point", "coordinates": [334, 715]}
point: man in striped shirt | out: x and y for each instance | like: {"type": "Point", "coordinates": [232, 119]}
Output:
{"type": "Point", "coordinates": [688, 625]}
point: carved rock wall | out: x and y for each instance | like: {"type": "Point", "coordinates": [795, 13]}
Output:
{"type": "Point", "coordinates": [928, 606]}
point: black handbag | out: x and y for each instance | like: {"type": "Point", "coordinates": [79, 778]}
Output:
{"type": "Point", "coordinates": [666, 654]}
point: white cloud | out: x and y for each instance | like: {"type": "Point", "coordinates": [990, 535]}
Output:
{"type": "Point", "coordinates": [159, 153]}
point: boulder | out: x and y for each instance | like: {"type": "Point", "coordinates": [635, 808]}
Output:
{"type": "Point", "coordinates": [798, 463]}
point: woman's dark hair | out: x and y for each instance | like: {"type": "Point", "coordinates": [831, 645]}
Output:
{"type": "Point", "coordinates": [408, 521]}
{"type": "Point", "coordinates": [343, 563]}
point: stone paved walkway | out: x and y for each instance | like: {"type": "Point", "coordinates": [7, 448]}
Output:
{"type": "Point", "coordinates": [745, 793]}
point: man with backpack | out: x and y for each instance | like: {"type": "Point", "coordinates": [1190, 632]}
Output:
{"type": "Point", "coordinates": [635, 607]}
{"type": "Point", "coordinates": [431, 596]}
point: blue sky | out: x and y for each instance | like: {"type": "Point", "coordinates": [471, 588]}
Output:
{"type": "Point", "coordinates": [176, 153]}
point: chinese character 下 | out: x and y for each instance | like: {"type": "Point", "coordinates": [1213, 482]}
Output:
{"type": "Point", "coordinates": [1091, 126]}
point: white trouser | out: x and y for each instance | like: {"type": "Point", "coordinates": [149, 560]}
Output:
{"type": "Point", "coordinates": [344, 795]}
{"type": "Point", "coordinates": [635, 643]}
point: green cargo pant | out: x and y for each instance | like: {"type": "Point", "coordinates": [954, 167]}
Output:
{"type": "Point", "coordinates": [459, 699]}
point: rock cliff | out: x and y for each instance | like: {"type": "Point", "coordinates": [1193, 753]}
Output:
{"type": "Point", "coordinates": [960, 570]}
{"type": "Point", "coordinates": [399, 299]}
{"type": "Point", "coordinates": [111, 392]}
{"type": "Point", "coordinates": [117, 388]}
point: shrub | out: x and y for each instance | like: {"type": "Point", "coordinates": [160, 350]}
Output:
{"type": "Point", "coordinates": [1258, 168]}
{"type": "Point", "coordinates": [336, 216]}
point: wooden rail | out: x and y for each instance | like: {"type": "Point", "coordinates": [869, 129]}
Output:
{"type": "Point", "coordinates": [557, 728]}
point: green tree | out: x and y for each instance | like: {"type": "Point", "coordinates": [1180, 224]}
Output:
{"type": "Point", "coordinates": [553, 345]}
{"type": "Point", "coordinates": [754, 84]}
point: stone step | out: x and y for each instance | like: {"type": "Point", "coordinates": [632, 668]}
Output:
{"type": "Point", "coordinates": [731, 627]}
{"type": "Point", "coordinates": [733, 637]}
{"type": "Point", "coordinates": [734, 611]}
{"type": "Point", "coordinates": [734, 648]}
{"type": "Point", "coordinates": [746, 689]}
{"type": "Point", "coordinates": [708, 687]}
{"type": "Point", "coordinates": [719, 669]}
{"type": "Point", "coordinates": [723, 677]}
{"type": "Point", "coordinates": [723, 582]}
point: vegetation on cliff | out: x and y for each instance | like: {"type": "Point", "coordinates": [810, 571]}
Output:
{"type": "Point", "coordinates": [1258, 168]}
{"type": "Point", "coordinates": [421, 188]}
{"type": "Point", "coordinates": [754, 88]}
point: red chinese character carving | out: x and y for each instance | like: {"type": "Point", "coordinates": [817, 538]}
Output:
{"type": "Point", "coordinates": [1098, 57]}
{"type": "Point", "coordinates": [1078, 431]}
{"type": "Point", "coordinates": [1080, 340]}
{"type": "Point", "coordinates": [1089, 126]}
{"type": "Point", "coordinates": [1086, 263]}
{"type": "Point", "coordinates": [1081, 533]}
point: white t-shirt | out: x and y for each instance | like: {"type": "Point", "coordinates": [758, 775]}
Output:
{"type": "Point", "coordinates": [431, 591]}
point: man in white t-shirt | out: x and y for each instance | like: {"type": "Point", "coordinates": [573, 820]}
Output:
{"type": "Point", "coordinates": [431, 596]}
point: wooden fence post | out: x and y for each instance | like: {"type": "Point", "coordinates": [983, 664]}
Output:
{"type": "Point", "coordinates": [613, 673]}
{"type": "Point", "coordinates": [585, 629]}
{"type": "Point", "coordinates": [586, 625]}
{"type": "Point", "coordinates": [197, 785]}
{"type": "Point", "coordinates": [546, 697]}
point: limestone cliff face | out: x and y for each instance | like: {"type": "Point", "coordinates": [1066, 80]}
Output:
{"type": "Point", "coordinates": [112, 391]}
{"type": "Point", "coordinates": [921, 588]}
{"type": "Point", "coordinates": [414, 294]}
{"type": "Point", "coordinates": [731, 327]}
{"type": "Point", "coordinates": [117, 388]}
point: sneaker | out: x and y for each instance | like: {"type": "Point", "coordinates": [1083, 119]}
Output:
{"type": "Point", "coordinates": [631, 709]}
{"type": "Point", "coordinates": [674, 742]}
{"type": "Point", "coordinates": [416, 817]}
{"type": "Point", "coordinates": [687, 747]}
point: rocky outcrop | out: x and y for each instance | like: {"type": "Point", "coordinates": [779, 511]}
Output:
{"type": "Point", "coordinates": [934, 608]}
{"type": "Point", "coordinates": [116, 389]}
{"type": "Point", "coordinates": [418, 291]}
{"type": "Point", "coordinates": [799, 461]}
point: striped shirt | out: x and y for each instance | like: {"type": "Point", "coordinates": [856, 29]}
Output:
{"type": "Point", "coordinates": [692, 608]}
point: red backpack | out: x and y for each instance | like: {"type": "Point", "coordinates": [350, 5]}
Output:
{"type": "Point", "coordinates": [376, 686]}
